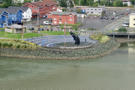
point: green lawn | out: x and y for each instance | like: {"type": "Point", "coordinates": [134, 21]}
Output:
{"type": "Point", "coordinates": [54, 32]}
{"type": "Point", "coordinates": [30, 35]}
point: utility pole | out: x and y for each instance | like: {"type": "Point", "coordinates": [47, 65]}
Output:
{"type": "Point", "coordinates": [38, 21]}
{"type": "Point", "coordinates": [65, 27]}
{"type": "Point", "coordinates": [22, 31]}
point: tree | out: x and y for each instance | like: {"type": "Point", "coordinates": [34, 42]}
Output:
{"type": "Point", "coordinates": [66, 3]}
{"type": "Point", "coordinates": [7, 3]}
{"type": "Point", "coordinates": [91, 2]}
{"type": "Point", "coordinates": [122, 29]}
{"type": "Point", "coordinates": [118, 3]}
{"type": "Point", "coordinates": [132, 1]}
{"type": "Point", "coordinates": [25, 1]}
{"type": "Point", "coordinates": [63, 3]}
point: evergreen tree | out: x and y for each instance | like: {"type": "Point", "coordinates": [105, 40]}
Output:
{"type": "Point", "coordinates": [133, 2]}
{"type": "Point", "coordinates": [63, 3]}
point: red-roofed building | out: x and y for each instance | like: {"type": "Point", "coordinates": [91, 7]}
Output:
{"type": "Point", "coordinates": [42, 7]}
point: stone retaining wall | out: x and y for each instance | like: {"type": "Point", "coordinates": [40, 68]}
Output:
{"type": "Point", "coordinates": [62, 54]}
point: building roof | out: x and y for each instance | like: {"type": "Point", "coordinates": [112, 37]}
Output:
{"type": "Point", "coordinates": [13, 10]}
{"type": "Point", "coordinates": [63, 13]}
{"type": "Point", "coordinates": [16, 26]}
{"type": "Point", "coordinates": [43, 3]}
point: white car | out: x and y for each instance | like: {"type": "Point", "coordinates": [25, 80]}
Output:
{"type": "Point", "coordinates": [47, 23]}
{"type": "Point", "coordinates": [125, 24]}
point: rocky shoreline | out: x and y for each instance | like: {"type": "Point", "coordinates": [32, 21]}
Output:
{"type": "Point", "coordinates": [98, 50]}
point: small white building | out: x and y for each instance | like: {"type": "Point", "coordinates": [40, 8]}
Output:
{"type": "Point", "coordinates": [27, 14]}
{"type": "Point", "coordinates": [126, 2]}
{"type": "Point", "coordinates": [18, 1]}
{"type": "Point", "coordinates": [15, 28]}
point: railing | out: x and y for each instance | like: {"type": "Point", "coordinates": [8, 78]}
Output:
{"type": "Point", "coordinates": [106, 33]}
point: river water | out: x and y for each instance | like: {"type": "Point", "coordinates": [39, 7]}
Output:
{"type": "Point", "coordinates": [112, 72]}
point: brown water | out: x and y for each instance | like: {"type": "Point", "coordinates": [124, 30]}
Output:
{"type": "Point", "coordinates": [113, 72]}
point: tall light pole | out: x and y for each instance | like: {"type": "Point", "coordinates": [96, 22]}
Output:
{"type": "Point", "coordinates": [65, 23]}
{"type": "Point", "coordinates": [38, 16]}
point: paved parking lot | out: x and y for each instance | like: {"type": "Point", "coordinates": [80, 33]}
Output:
{"type": "Point", "coordinates": [99, 23]}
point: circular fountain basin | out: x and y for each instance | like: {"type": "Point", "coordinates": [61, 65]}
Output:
{"type": "Point", "coordinates": [61, 41]}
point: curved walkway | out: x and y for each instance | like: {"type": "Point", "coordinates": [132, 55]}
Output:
{"type": "Point", "coordinates": [53, 39]}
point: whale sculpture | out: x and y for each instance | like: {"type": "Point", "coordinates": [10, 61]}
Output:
{"type": "Point", "coordinates": [76, 38]}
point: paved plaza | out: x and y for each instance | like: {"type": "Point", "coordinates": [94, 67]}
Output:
{"type": "Point", "coordinates": [54, 39]}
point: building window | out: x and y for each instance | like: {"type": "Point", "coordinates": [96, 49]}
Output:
{"type": "Point", "coordinates": [70, 19]}
{"type": "Point", "coordinates": [60, 22]}
{"type": "Point", "coordinates": [60, 19]}
{"type": "Point", "coordinates": [55, 22]}
{"type": "Point", "coordinates": [54, 18]}
{"type": "Point", "coordinates": [70, 15]}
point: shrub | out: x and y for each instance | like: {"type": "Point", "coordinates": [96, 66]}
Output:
{"type": "Point", "coordinates": [10, 44]}
{"type": "Point", "coordinates": [100, 37]}
{"type": "Point", "coordinates": [5, 44]}
{"type": "Point", "coordinates": [0, 45]}
{"type": "Point", "coordinates": [122, 29]}
{"type": "Point", "coordinates": [18, 46]}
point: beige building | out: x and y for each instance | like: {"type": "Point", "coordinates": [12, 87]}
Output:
{"type": "Point", "coordinates": [132, 20]}
{"type": "Point", "coordinates": [18, 1]}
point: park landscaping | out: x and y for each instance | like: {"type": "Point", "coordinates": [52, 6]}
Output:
{"type": "Point", "coordinates": [30, 35]}
{"type": "Point", "coordinates": [24, 49]}
{"type": "Point", "coordinates": [100, 37]}
{"type": "Point", "coordinates": [96, 50]}
{"type": "Point", "coordinates": [11, 43]}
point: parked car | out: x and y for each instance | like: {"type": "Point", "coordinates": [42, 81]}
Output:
{"type": "Point", "coordinates": [125, 24]}
{"type": "Point", "coordinates": [44, 16]}
{"type": "Point", "coordinates": [47, 22]}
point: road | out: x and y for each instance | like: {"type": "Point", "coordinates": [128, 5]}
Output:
{"type": "Point", "coordinates": [109, 27]}
{"type": "Point", "coordinates": [116, 24]}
